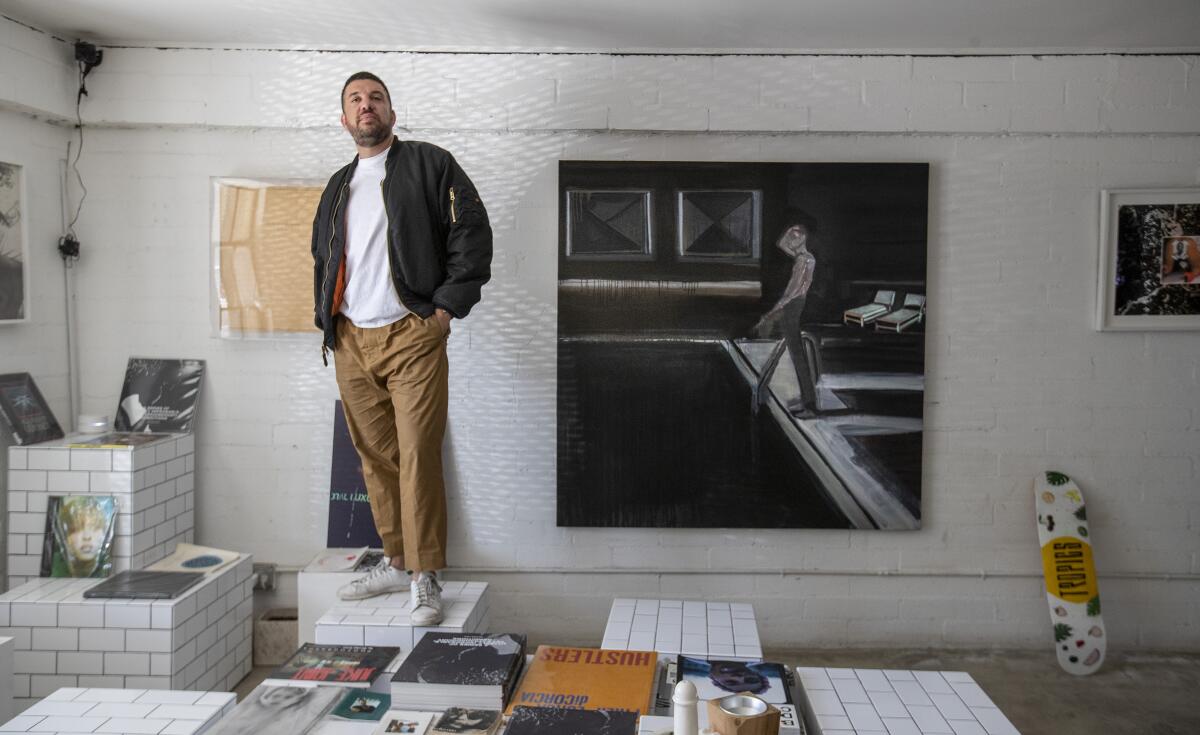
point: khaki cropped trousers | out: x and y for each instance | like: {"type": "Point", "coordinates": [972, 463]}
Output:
{"type": "Point", "coordinates": [393, 381]}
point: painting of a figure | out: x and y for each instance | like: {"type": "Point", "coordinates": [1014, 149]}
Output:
{"type": "Point", "coordinates": [741, 345]}
{"type": "Point", "coordinates": [14, 280]}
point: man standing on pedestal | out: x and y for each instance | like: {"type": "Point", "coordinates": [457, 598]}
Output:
{"type": "Point", "coordinates": [401, 245]}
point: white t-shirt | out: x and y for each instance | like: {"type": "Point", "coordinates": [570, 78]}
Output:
{"type": "Point", "coordinates": [370, 297]}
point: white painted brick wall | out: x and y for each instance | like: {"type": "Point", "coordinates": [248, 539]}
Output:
{"type": "Point", "coordinates": [1017, 380]}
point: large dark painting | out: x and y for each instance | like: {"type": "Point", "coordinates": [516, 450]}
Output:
{"type": "Point", "coordinates": [741, 345]}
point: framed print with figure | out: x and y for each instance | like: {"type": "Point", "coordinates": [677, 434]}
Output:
{"type": "Point", "coordinates": [1149, 275]}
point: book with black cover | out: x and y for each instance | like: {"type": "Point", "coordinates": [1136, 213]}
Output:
{"type": "Point", "coordinates": [571, 721]}
{"type": "Point", "coordinates": [159, 395]}
{"type": "Point", "coordinates": [469, 669]}
{"type": "Point", "coordinates": [351, 524]}
{"type": "Point", "coordinates": [144, 585]}
{"type": "Point", "coordinates": [26, 412]}
{"type": "Point", "coordinates": [345, 666]}
{"type": "Point", "coordinates": [279, 710]}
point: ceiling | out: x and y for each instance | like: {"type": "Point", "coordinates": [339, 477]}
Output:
{"type": "Point", "coordinates": [852, 26]}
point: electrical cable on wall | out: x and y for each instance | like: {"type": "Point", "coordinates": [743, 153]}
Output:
{"type": "Point", "coordinates": [88, 57]}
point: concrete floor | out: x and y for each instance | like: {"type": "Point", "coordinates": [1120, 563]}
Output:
{"type": "Point", "coordinates": [1135, 694]}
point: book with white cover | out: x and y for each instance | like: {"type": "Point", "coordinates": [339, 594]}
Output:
{"type": "Point", "coordinates": [336, 560]}
{"type": "Point", "coordinates": [192, 558]}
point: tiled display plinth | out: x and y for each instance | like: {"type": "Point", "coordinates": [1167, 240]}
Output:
{"type": "Point", "coordinates": [123, 711]}
{"type": "Point", "coordinates": [6, 678]}
{"type": "Point", "coordinates": [862, 701]}
{"type": "Point", "coordinates": [316, 592]}
{"type": "Point", "coordinates": [152, 483]}
{"type": "Point", "coordinates": [199, 640]}
{"type": "Point", "coordinates": [710, 629]}
{"type": "Point", "coordinates": [384, 621]}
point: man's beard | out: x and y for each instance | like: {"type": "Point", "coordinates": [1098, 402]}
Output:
{"type": "Point", "coordinates": [371, 134]}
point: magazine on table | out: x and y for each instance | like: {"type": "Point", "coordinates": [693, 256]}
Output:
{"type": "Point", "coordinates": [714, 678]}
{"type": "Point", "coordinates": [588, 678]}
{"type": "Point", "coordinates": [193, 558]}
{"type": "Point", "coordinates": [406, 722]}
{"type": "Point", "coordinates": [477, 670]}
{"type": "Point", "coordinates": [279, 710]}
{"type": "Point", "coordinates": [316, 664]}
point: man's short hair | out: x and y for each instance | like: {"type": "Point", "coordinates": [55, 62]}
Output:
{"type": "Point", "coordinates": [363, 75]}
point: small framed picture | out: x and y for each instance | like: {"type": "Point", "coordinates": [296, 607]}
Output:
{"type": "Point", "coordinates": [14, 246]}
{"type": "Point", "coordinates": [1149, 260]}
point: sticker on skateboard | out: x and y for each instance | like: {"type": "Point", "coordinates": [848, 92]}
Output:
{"type": "Point", "coordinates": [1071, 588]}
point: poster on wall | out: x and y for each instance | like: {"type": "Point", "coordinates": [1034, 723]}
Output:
{"type": "Point", "coordinates": [351, 524]}
{"type": "Point", "coordinates": [14, 256]}
{"type": "Point", "coordinates": [741, 345]}
{"type": "Point", "coordinates": [1149, 260]}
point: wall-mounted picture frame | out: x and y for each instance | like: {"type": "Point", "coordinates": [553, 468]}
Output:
{"type": "Point", "coordinates": [14, 245]}
{"type": "Point", "coordinates": [1149, 271]}
{"type": "Point", "coordinates": [261, 234]}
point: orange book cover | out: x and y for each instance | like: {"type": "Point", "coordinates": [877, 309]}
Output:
{"type": "Point", "coordinates": [588, 678]}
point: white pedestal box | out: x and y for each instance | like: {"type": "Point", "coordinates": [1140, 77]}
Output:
{"type": "Point", "coordinates": [6, 679]}
{"type": "Point", "coordinates": [722, 630]}
{"type": "Point", "coordinates": [124, 711]}
{"type": "Point", "coordinates": [199, 640]}
{"type": "Point", "coordinates": [384, 621]}
{"type": "Point", "coordinates": [152, 484]}
{"type": "Point", "coordinates": [875, 700]}
{"type": "Point", "coordinates": [316, 592]}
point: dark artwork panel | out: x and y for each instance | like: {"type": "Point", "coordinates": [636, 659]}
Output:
{"type": "Point", "coordinates": [351, 524]}
{"type": "Point", "coordinates": [734, 379]}
{"type": "Point", "coordinates": [25, 410]}
{"type": "Point", "coordinates": [1158, 260]}
{"type": "Point", "coordinates": [663, 434]}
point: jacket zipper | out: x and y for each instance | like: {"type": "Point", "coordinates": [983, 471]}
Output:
{"type": "Point", "coordinates": [453, 218]}
{"type": "Point", "coordinates": [325, 282]}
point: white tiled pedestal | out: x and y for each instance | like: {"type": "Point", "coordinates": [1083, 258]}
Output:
{"type": "Point", "coordinates": [862, 701]}
{"type": "Point", "coordinates": [316, 592]}
{"type": "Point", "coordinates": [384, 621]}
{"type": "Point", "coordinates": [123, 712]}
{"type": "Point", "coordinates": [152, 483]}
{"type": "Point", "coordinates": [199, 640]}
{"type": "Point", "coordinates": [6, 678]}
{"type": "Point", "coordinates": [725, 630]}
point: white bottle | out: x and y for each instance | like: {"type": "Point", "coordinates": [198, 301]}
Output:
{"type": "Point", "coordinates": [684, 702]}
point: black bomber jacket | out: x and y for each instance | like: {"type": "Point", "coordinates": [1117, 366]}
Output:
{"type": "Point", "coordinates": [439, 238]}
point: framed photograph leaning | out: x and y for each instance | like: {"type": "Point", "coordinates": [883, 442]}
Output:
{"type": "Point", "coordinates": [1149, 259]}
{"type": "Point", "coordinates": [14, 246]}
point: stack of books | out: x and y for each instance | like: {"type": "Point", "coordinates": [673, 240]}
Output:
{"type": "Point", "coordinates": [470, 670]}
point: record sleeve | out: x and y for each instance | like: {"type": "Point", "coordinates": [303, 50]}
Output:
{"type": "Point", "coordinates": [279, 710]}
{"type": "Point", "coordinates": [159, 395]}
{"type": "Point", "coordinates": [192, 558]}
{"type": "Point", "coordinates": [26, 412]}
{"type": "Point", "coordinates": [79, 536]}
{"type": "Point", "coordinates": [144, 585]}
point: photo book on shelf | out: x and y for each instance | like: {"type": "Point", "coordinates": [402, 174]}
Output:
{"type": "Point", "coordinates": [79, 535]}
{"type": "Point", "coordinates": [159, 395]}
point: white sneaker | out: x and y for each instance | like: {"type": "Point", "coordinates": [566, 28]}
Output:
{"type": "Point", "coordinates": [426, 600]}
{"type": "Point", "coordinates": [379, 581]}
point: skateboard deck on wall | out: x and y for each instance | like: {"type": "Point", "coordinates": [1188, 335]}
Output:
{"type": "Point", "coordinates": [1071, 587]}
